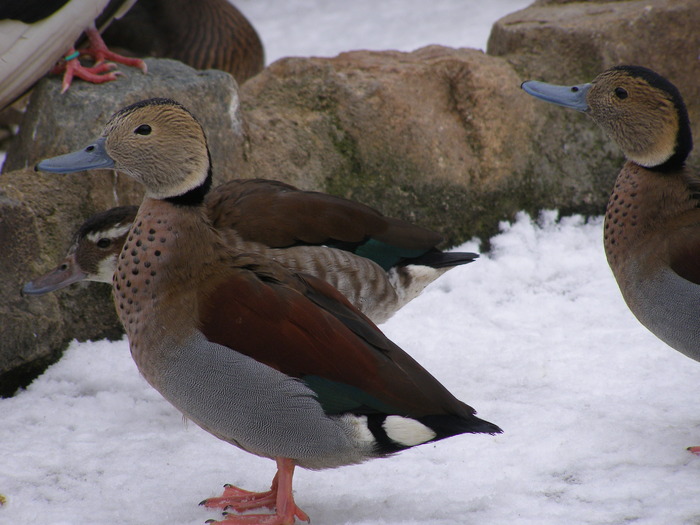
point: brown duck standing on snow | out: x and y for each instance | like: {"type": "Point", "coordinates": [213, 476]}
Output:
{"type": "Point", "coordinates": [652, 223]}
{"type": "Point", "coordinates": [377, 262]}
{"type": "Point", "coordinates": [274, 362]}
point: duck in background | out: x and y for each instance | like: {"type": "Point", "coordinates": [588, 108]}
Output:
{"type": "Point", "coordinates": [277, 363]}
{"type": "Point", "coordinates": [206, 34]}
{"type": "Point", "coordinates": [652, 222]}
{"type": "Point", "coordinates": [378, 263]}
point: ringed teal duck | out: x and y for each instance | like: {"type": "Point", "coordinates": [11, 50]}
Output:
{"type": "Point", "coordinates": [36, 33]}
{"type": "Point", "coordinates": [377, 262]}
{"type": "Point", "coordinates": [652, 222]}
{"type": "Point", "coordinates": [277, 363]}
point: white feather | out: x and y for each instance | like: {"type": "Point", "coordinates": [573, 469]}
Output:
{"type": "Point", "coordinates": [407, 431]}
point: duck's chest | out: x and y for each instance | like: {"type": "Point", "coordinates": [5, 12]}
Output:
{"type": "Point", "coordinates": [154, 284]}
{"type": "Point", "coordinates": [647, 211]}
{"type": "Point", "coordinates": [641, 205]}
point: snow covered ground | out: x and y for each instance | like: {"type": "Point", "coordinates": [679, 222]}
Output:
{"type": "Point", "coordinates": [597, 412]}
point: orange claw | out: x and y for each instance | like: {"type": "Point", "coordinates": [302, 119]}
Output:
{"type": "Point", "coordinates": [98, 50]}
{"type": "Point", "coordinates": [96, 74]}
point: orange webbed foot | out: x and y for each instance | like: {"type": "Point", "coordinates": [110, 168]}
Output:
{"type": "Point", "coordinates": [101, 71]}
{"type": "Point", "coordinates": [72, 67]}
{"type": "Point", "coordinates": [98, 50]}
{"type": "Point", "coordinates": [279, 497]}
{"type": "Point", "coordinates": [261, 519]}
{"type": "Point", "coordinates": [242, 500]}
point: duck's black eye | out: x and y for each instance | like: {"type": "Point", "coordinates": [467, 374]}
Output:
{"type": "Point", "coordinates": [104, 242]}
{"type": "Point", "coordinates": [620, 93]}
{"type": "Point", "coordinates": [143, 129]}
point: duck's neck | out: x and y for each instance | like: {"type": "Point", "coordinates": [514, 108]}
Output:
{"type": "Point", "coordinates": [195, 196]}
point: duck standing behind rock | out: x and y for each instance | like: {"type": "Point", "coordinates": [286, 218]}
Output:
{"type": "Point", "coordinates": [276, 363]}
{"type": "Point", "coordinates": [652, 222]}
{"type": "Point", "coordinates": [378, 263]}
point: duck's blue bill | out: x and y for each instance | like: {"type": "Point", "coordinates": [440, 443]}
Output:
{"type": "Point", "coordinates": [66, 273]}
{"type": "Point", "coordinates": [92, 157]}
{"type": "Point", "coordinates": [568, 96]}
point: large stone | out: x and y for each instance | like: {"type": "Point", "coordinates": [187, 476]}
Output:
{"type": "Point", "coordinates": [39, 211]}
{"type": "Point", "coordinates": [571, 42]}
{"type": "Point", "coordinates": [439, 136]}
{"type": "Point", "coordinates": [37, 215]}
{"type": "Point", "coordinates": [57, 123]}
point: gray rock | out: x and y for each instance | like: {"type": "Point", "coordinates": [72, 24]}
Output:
{"type": "Point", "coordinates": [57, 123]}
{"type": "Point", "coordinates": [39, 211]}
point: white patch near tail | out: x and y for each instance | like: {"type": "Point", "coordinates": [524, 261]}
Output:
{"type": "Point", "coordinates": [358, 429]}
{"type": "Point", "coordinates": [407, 431]}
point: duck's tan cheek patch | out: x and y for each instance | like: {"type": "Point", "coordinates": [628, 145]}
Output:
{"type": "Point", "coordinates": [655, 153]}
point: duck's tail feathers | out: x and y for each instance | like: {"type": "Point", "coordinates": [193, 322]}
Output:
{"type": "Point", "coordinates": [446, 425]}
{"type": "Point", "coordinates": [438, 259]}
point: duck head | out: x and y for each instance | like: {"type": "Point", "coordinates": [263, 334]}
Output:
{"type": "Point", "coordinates": [157, 142]}
{"type": "Point", "coordinates": [639, 109]}
{"type": "Point", "coordinates": [93, 253]}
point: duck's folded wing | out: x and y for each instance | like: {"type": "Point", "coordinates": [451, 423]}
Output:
{"type": "Point", "coordinates": [306, 329]}
{"type": "Point", "coordinates": [279, 215]}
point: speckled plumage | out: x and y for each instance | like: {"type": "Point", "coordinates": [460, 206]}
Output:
{"type": "Point", "coordinates": [150, 266]}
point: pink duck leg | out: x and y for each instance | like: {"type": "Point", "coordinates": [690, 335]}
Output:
{"type": "Point", "coordinates": [279, 496]}
{"type": "Point", "coordinates": [102, 70]}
